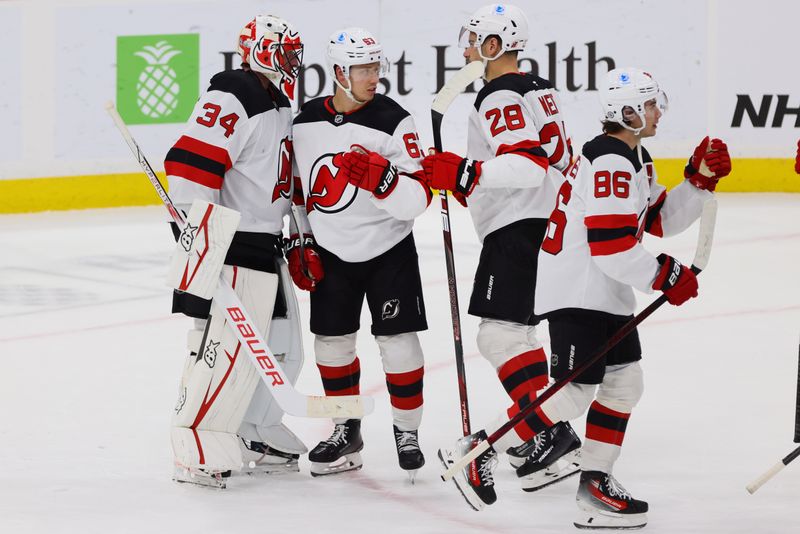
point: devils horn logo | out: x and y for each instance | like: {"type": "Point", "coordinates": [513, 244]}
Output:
{"type": "Point", "coordinates": [390, 309]}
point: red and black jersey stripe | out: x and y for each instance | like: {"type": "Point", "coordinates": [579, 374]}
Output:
{"type": "Point", "coordinates": [606, 425]}
{"type": "Point", "coordinates": [405, 389]}
{"type": "Point", "coordinates": [610, 234]}
{"type": "Point", "coordinates": [524, 374]}
{"type": "Point", "coordinates": [198, 162]}
{"type": "Point", "coordinates": [342, 380]}
{"type": "Point", "coordinates": [528, 149]}
{"type": "Point", "coordinates": [652, 222]}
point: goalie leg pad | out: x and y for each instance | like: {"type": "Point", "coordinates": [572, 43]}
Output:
{"type": "Point", "coordinates": [403, 363]}
{"type": "Point", "coordinates": [221, 380]}
{"type": "Point", "coordinates": [262, 421]}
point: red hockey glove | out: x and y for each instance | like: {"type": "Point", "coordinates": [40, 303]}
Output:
{"type": "Point", "coordinates": [369, 170]}
{"type": "Point", "coordinates": [445, 170]}
{"type": "Point", "coordinates": [709, 163]}
{"type": "Point", "coordinates": [677, 281]}
{"type": "Point", "coordinates": [306, 269]}
{"type": "Point", "coordinates": [797, 159]}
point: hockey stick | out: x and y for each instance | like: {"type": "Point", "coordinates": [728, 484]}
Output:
{"type": "Point", "coordinates": [775, 469]}
{"type": "Point", "coordinates": [702, 254]}
{"type": "Point", "coordinates": [454, 87]}
{"type": "Point", "coordinates": [288, 398]}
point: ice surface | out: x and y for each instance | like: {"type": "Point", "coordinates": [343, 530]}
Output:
{"type": "Point", "coordinates": [91, 361]}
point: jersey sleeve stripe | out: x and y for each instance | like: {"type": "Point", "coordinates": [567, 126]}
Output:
{"type": "Point", "coordinates": [528, 149]}
{"type": "Point", "coordinates": [612, 221]}
{"type": "Point", "coordinates": [193, 174]}
{"type": "Point", "coordinates": [652, 223]}
{"type": "Point", "coordinates": [205, 150]}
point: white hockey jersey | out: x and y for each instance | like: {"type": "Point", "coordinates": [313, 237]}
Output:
{"type": "Point", "coordinates": [592, 254]}
{"type": "Point", "coordinates": [517, 130]}
{"type": "Point", "coordinates": [346, 220]}
{"type": "Point", "coordinates": [236, 151]}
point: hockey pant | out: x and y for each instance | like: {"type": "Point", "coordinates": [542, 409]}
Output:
{"type": "Point", "coordinates": [403, 365]}
{"type": "Point", "coordinates": [219, 382]}
{"type": "Point", "coordinates": [607, 419]}
{"type": "Point", "coordinates": [521, 366]}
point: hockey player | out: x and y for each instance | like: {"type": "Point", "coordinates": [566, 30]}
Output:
{"type": "Point", "coordinates": [591, 260]}
{"type": "Point", "coordinates": [359, 163]}
{"type": "Point", "coordinates": [236, 152]}
{"type": "Point", "coordinates": [517, 148]}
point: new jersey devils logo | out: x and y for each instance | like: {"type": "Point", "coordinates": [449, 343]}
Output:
{"type": "Point", "coordinates": [283, 185]}
{"type": "Point", "coordinates": [329, 192]}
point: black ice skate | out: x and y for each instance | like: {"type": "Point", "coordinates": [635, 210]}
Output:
{"type": "Point", "coordinates": [260, 458]}
{"type": "Point", "coordinates": [408, 452]}
{"type": "Point", "coordinates": [340, 452]}
{"type": "Point", "coordinates": [604, 504]}
{"type": "Point", "coordinates": [476, 481]}
{"type": "Point", "coordinates": [555, 456]}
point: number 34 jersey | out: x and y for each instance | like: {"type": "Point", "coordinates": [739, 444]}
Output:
{"type": "Point", "coordinates": [346, 220]}
{"type": "Point", "coordinates": [517, 130]}
{"type": "Point", "coordinates": [592, 255]}
{"type": "Point", "coordinates": [236, 151]}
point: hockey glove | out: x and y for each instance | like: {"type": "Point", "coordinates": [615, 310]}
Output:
{"type": "Point", "coordinates": [445, 170]}
{"type": "Point", "coordinates": [306, 267]}
{"type": "Point", "coordinates": [677, 281]}
{"type": "Point", "coordinates": [797, 159]}
{"type": "Point", "coordinates": [709, 163]}
{"type": "Point", "coordinates": [369, 170]}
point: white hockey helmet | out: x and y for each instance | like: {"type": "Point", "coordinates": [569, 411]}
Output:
{"type": "Point", "coordinates": [350, 47]}
{"type": "Point", "coordinates": [626, 91]}
{"type": "Point", "coordinates": [504, 20]}
{"type": "Point", "coordinates": [272, 46]}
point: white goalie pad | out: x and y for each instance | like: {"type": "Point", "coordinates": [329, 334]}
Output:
{"type": "Point", "coordinates": [219, 382]}
{"type": "Point", "coordinates": [201, 248]}
{"type": "Point", "coordinates": [262, 421]}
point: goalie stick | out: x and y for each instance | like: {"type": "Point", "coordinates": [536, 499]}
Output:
{"type": "Point", "coordinates": [288, 398]}
{"type": "Point", "coordinates": [702, 255]}
{"type": "Point", "coordinates": [454, 87]}
{"type": "Point", "coordinates": [775, 469]}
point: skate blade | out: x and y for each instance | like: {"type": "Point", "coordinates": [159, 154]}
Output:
{"type": "Point", "coordinates": [548, 477]}
{"type": "Point", "coordinates": [599, 520]}
{"type": "Point", "coordinates": [348, 462]}
{"type": "Point", "coordinates": [475, 502]}
{"type": "Point", "coordinates": [184, 475]}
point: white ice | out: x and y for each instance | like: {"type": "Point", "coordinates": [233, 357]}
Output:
{"type": "Point", "coordinates": [91, 359]}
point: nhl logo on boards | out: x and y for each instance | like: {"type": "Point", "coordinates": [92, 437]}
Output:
{"type": "Point", "coordinates": [390, 309]}
{"type": "Point", "coordinates": [338, 118]}
{"type": "Point", "coordinates": [187, 236]}
{"type": "Point", "coordinates": [210, 354]}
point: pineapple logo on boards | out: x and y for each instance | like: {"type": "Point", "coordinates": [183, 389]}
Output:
{"type": "Point", "coordinates": [158, 77]}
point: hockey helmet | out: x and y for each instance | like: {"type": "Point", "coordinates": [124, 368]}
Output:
{"type": "Point", "coordinates": [504, 20]}
{"type": "Point", "coordinates": [272, 46]}
{"type": "Point", "coordinates": [350, 47]}
{"type": "Point", "coordinates": [625, 91]}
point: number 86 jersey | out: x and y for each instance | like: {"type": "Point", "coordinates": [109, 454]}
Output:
{"type": "Point", "coordinates": [592, 255]}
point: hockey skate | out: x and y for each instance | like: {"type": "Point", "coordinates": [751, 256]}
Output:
{"type": "Point", "coordinates": [555, 456]}
{"type": "Point", "coordinates": [200, 477]}
{"type": "Point", "coordinates": [340, 452]}
{"type": "Point", "coordinates": [408, 452]}
{"type": "Point", "coordinates": [604, 504]}
{"type": "Point", "coordinates": [475, 482]}
{"type": "Point", "coordinates": [261, 459]}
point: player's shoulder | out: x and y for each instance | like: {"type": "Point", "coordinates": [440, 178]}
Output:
{"type": "Point", "coordinates": [312, 111]}
{"type": "Point", "coordinates": [248, 90]}
{"type": "Point", "coordinates": [382, 114]}
{"type": "Point", "coordinates": [615, 149]}
{"type": "Point", "coordinates": [520, 83]}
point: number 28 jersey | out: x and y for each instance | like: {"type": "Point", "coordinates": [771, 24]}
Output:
{"type": "Point", "coordinates": [346, 220]}
{"type": "Point", "coordinates": [592, 255]}
{"type": "Point", "coordinates": [517, 130]}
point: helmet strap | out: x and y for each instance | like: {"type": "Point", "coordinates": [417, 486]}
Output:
{"type": "Point", "coordinates": [347, 90]}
